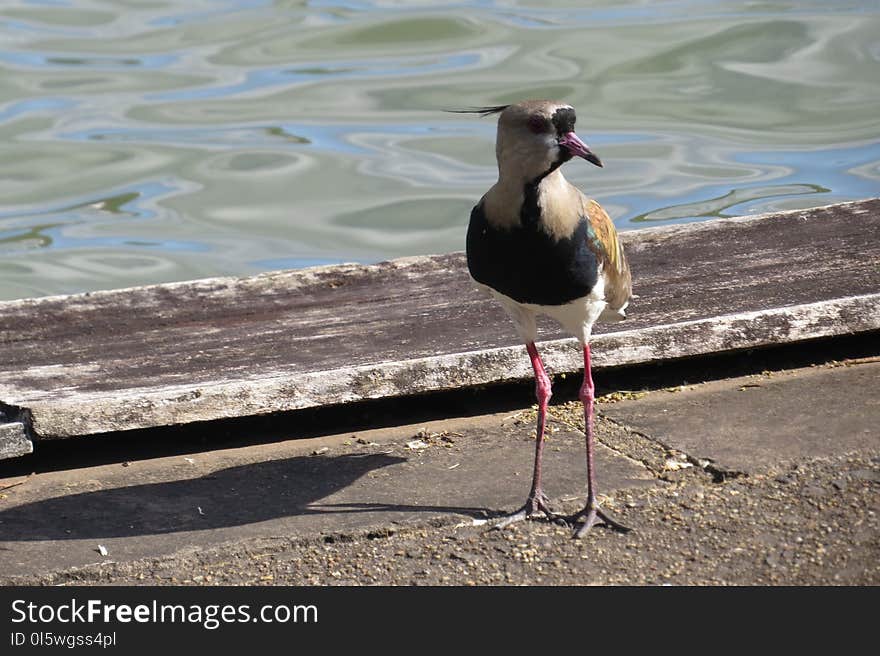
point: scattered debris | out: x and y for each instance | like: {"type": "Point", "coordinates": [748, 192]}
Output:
{"type": "Point", "coordinates": [323, 449]}
{"type": "Point", "coordinates": [102, 550]}
{"type": "Point", "coordinates": [201, 512]}
{"type": "Point", "coordinates": [458, 464]}
{"type": "Point", "coordinates": [676, 461]}
{"type": "Point", "coordinates": [425, 438]}
{"type": "Point", "coordinates": [516, 417]}
{"type": "Point", "coordinates": [445, 435]}
{"type": "Point", "coordinates": [17, 483]}
{"type": "Point", "coordinates": [620, 395]}
{"type": "Point", "coordinates": [867, 360]}
{"type": "Point", "coordinates": [190, 461]}
{"type": "Point", "coordinates": [606, 500]}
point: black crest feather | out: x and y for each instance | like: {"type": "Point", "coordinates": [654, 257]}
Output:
{"type": "Point", "coordinates": [482, 111]}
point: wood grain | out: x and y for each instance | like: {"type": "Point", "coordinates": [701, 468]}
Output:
{"type": "Point", "coordinates": [223, 347]}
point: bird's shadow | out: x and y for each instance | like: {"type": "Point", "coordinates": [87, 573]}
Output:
{"type": "Point", "coordinates": [229, 497]}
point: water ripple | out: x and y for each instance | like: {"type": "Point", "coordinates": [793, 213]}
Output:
{"type": "Point", "coordinates": [99, 63]}
{"type": "Point", "coordinates": [270, 78]}
{"type": "Point", "coordinates": [146, 142]}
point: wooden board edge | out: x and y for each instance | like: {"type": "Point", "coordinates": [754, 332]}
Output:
{"type": "Point", "coordinates": [83, 414]}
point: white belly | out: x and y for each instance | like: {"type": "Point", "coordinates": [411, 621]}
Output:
{"type": "Point", "coordinates": [576, 318]}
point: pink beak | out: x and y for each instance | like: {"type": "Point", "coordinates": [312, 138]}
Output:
{"type": "Point", "coordinates": [573, 144]}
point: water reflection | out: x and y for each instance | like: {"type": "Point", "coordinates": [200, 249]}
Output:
{"type": "Point", "coordinates": [166, 141]}
{"type": "Point", "coordinates": [94, 62]}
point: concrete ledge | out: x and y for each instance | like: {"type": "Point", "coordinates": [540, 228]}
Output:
{"type": "Point", "coordinates": [334, 509]}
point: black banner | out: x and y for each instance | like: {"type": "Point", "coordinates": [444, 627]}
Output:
{"type": "Point", "coordinates": [134, 619]}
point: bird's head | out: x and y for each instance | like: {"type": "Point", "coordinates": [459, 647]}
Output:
{"type": "Point", "coordinates": [535, 137]}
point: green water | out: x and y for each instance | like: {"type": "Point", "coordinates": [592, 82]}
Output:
{"type": "Point", "coordinates": [149, 140]}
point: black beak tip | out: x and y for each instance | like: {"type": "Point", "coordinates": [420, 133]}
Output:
{"type": "Point", "coordinates": [593, 159]}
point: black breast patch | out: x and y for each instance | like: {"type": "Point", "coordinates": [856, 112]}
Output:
{"type": "Point", "coordinates": [528, 265]}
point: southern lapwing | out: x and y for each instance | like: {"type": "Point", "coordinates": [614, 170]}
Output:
{"type": "Point", "coordinates": [541, 247]}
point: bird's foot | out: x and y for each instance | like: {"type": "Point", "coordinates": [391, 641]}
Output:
{"type": "Point", "coordinates": [537, 502]}
{"type": "Point", "coordinates": [591, 515]}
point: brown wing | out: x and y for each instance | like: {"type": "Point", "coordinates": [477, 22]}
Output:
{"type": "Point", "coordinates": [606, 244]}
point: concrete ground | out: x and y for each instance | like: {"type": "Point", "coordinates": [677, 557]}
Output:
{"type": "Point", "coordinates": [749, 477]}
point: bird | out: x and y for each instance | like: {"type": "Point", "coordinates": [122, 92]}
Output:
{"type": "Point", "coordinates": [540, 246]}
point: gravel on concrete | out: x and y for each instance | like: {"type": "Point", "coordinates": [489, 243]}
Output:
{"type": "Point", "coordinates": [804, 517]}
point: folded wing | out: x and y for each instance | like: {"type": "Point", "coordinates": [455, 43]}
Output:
{"type": "Point", "coordinates": [603, 240]}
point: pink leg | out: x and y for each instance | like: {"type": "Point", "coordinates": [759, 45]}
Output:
{"type": "Point", "coordinates": [543, 393]}
{"type": "Point", "coordinates": [537, 500]}
{"type": "Point", "coordinates": [591, 512]}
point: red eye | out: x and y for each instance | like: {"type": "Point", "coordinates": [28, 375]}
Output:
{"type": "Point", "coordinates": [538, 124]}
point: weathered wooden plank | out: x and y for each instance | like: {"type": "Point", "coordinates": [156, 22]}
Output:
{"type": "Point", "coordinates": [168, 405]}
{"type": "Point", "coordinates": [175, 353]}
